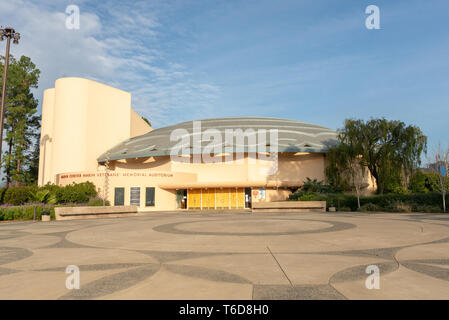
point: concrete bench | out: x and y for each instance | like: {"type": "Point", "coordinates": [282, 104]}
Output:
{"type": "Point", "coordinates": [289, 206]}
{"type": "Point", "coordinates": [69, 213]}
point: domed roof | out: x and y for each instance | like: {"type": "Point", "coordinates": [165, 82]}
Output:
{"type": "Point", "coordinates": [293, 136]}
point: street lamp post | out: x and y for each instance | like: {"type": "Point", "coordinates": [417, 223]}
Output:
{"type": "Point", "coordinates": [7, 33]}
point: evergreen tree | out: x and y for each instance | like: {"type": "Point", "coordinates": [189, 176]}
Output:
{"type": "Point", "coordinates": [21, 122]}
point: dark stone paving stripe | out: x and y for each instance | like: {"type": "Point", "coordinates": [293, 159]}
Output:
{"type": "Point", "coordinates": [432, 271]}
{"type": "Point", "coordinates": [5, 271]}
{"type": "Point", "coordinates": [171, 228]}
{"type": "Point", "coordinates": [10, 234]}
{"type": "Point", "coordinates": [205, 273]}
{"type": "Point", "coordinates": [111, 283]}
{"type": "Point", "coordinates": [444, 240]}
{"type": "Point", "coordinates": [168, 256]}
{"type": "Point", "coordinates": [98, 267]}
{"type": "Point", "coordinates": [429, 261]}
{"type": "Point", "coordinates": [9, 254]}
{"type": "Point", "coordinates": [297, 292]}
{"type": "Point", "coordinates": [384, 253]}
{"type": "Point", "coordinates": [63, 242]}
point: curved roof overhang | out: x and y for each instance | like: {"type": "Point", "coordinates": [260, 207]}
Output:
{"type": "Point", "coordinates": [293, 136]}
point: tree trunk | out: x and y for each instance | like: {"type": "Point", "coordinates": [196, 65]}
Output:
{"type": "Point", "coordinates": [8, 166]}
{"type": "Point", "coordinates": [18, 173]}
{"type": "Point", "coordinates": [358, 196]}
{"type": "Point", "coordinates": [375, 174]}
{"type": "Point", "coordinates": [444, 202]}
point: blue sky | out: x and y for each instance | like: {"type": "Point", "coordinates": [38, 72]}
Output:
{"type": "Point", "coordinates": [312, 61]}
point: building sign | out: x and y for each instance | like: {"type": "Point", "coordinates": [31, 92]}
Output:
{"type": "Point", "coordinates": [118, 174]}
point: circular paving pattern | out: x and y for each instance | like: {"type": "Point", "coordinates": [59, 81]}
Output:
{"type": "Point", "coordinates": [213, 256]}
{"type": "Point", "coordinates": [276, 227]}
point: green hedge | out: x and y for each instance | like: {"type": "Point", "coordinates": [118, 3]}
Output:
{"type": "Point", "coordinates": [418, 202]}
{"type": "Point", "coordinates": [73, 193]}
{"type": "Point", "coordinates": [97, 202]}
{"type": "Point", "coordinates": [25, 212]}
{"type": "Point", "coordinates": [19, 195]}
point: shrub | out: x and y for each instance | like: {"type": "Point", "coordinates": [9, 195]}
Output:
{"type": "Point", "coordinates": [369, 207]}
{"type": "Point", "coordinates": [399, 206]}
{"type": "Point", "coordinates": [97, 202]}
{"type": "Point", "coordinates": [418, 202]}
{"type": "Point", "coordinates": [342, 200]}
{"type": "Point", "coordinates": [423, 182]}
{"type": "Point", "coordinates": [44, 196]}
{"type": "Point", "coordinates": [316, 186]}
{"type": "Point", "coordinates": [19, 195]}
{"type": "Point", "coordinates": [386, 200]}
{"type": "Point", "coordinates": [312, 187]}
{"type": "Point", "coordinates": [295, 195]}
{"type": "Point", "coordinates": [426, 209]}
{"type": "Point", "coordinates": [74, 193]}
{"type": "Point", "coordinates": [345, 209]}
{"type": "Point", "coordinates": [25, 212]}
{"type": "Point", "coordinates": [78, 193]}
{"type": "Point", "coordinates": [399, 190]}
{"type": "Point", "coordinates": [419, 182]}
{"type": "Point", "coordinates": [310, 197]}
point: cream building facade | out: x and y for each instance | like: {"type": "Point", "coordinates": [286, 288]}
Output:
{"type": "Point", "coordinates": [90, 133]}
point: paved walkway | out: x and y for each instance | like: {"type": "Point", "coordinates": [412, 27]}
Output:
{"type": "Point", "coordinates": [228, 256]}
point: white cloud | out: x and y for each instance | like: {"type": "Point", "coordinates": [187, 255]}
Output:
{"type": "Point", "coordinates": [120, 49]}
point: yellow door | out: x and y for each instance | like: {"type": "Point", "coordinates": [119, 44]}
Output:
{"type": "Point", "coordinates": [208, 198]}
{"type": "Point", "coordinates": [222, 198]}
{"type": "Point", "coordinates": [204, 199]}
{"type": "Point", "coordinates": [240, 198]}
{"type": "Point", "coordinates": [194, 199]}
{"type": "Point", "coordinates": [219, 198]}
{"type": "Point", "coordinates": [212, 199]}
{"type": "Point", "coordinates": [233, 198]}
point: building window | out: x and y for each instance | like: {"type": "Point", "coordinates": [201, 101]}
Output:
{"type": "Point", "coordinates": [149, 197]}
{"type": "Point", "coordinates": [119, 196]}
{"type": "Point", "coordinates": [135, 196]}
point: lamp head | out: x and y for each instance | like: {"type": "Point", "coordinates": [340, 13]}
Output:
{"type": "Point", "coordinates": [9, 32]}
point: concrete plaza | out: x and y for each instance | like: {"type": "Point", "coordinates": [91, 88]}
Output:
{"type": "Point", "coordinates": [228, 256]}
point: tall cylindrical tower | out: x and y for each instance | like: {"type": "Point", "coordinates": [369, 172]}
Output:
{"type": "Point", "coordinates": [45, 152]}
{"type": "Point", "coordinates": [69, 151]}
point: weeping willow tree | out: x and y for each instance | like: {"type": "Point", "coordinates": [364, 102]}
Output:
{"type": "Point", "coordinates": [390, 150]}
{"type": "Point", "coordinates": [346, 168]}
